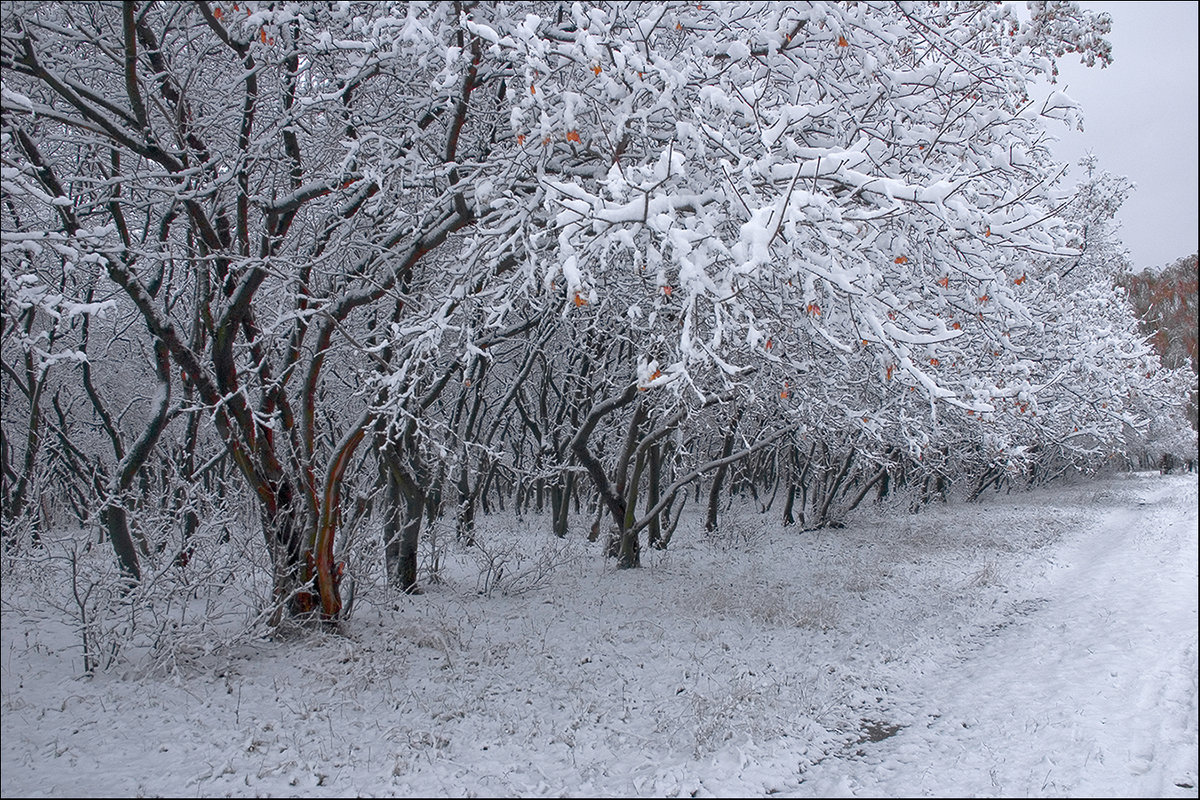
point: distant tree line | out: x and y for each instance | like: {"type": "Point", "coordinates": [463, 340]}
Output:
{"type": "Point", "coordinates": [1164, 301]}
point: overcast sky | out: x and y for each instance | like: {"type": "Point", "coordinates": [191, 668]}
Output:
{"type": "Point", "coordinates": [1141, 119]}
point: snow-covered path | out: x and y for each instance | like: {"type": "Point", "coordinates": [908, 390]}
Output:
{"type": "Point", "coordinates": [1089, 690]}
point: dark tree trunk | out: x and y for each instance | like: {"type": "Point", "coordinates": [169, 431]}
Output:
{"type": "Point", "coordinates": [465, 522]}
{"type": "Point", "coordinates": [283, 529]}
{"type": "Point", "coordinates": [788, 517]}
{"type": "Point", "coordinates": [714, 494]}
{"type": "Point", "coordinates": [653, 495]}
{"type": "Point", "coordinates": [402, 529]}
{"type": "Point", "coordinates": [561, 499]}
{"type": "Point", "coordinates": [116, 524]}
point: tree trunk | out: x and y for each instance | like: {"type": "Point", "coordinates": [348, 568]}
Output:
{"type": "Point", "coordinates": [402, 529]}
{"type": "Point", "coordinates": [788, 517]}
{"type": "Point", "coordinates": [116, 524]}
{"type": "Point", "coordinates": [465, 521]}
{"type": "Point", "coordinates": [653, 495]}
{"type": "Point", "coordinates": [406, 567]}
{"type": "Point", "coordinates": [832, 490]}
{"type": "Point", "coordinates": [562, 503]}
{"type": "Point", "coordinates": [714, 494]}
{"type": "Point", "coordinates": [629, 552]}
{"type": "Point", "coordinates": [283, 529]}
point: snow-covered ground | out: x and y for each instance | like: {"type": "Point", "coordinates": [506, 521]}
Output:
{"type": "Point", "coordinates": [1038, 643]}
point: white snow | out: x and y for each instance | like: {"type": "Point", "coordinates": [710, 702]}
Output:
{"type": "Point", "coordinates": [1038, 643]}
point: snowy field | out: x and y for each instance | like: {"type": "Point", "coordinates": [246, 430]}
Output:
{"type": "Point", "coordinates": [1040, 643]}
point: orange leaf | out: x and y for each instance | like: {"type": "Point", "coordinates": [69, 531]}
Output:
{"type": "Point", "coordinates": [533, 90]}
{"type": "Point", "coordinates": [814, 310]}
{"type": "Point", "coordinates": [956, 326]}
{"type": "Point", "coordinates": [667, 291]}
{"type": "Point", "coordinates": [579, 300]}
{"type": "Point", "coordinates": [842, 42]}
{"type": "Point", "coordinates": [934, 362]}
{"type": "Point", "coordinates": [520, 138]}
{"type": "Point", "coordinates": [218, 13]}
{"type": "Point", "coordinates": [784, 393]}
{"type": "Point", "coordinates": [864, 419]}
{"type": "Point", "coordinates": [1020, 280]}
{"type": "Point", "coordinates": [768, 344]}
{"type": "Point", "coordinates": [983, 299]}
{"type": "Point", "coordinates": [901, 259]}
{"type": "Point", "coordinates": [988, 232]}
{"type": "Point", "coordinates": [262, 34]}
{"type": "Point", "coordinates": [596, 70]}
{"type": "Point", "coordinates": [944, 282]}
{"type": "Point", "coordinates": [573, 136]}
{"type": "Point", "coordinates": [889, 371]}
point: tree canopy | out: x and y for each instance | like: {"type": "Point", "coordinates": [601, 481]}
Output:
{"type": "Point", "coordinates": [528, 243]}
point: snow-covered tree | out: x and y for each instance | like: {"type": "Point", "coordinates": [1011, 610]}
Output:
{"type": "Point", "coordinates": [810, 204]}
{"type": "Point", "coordinates": [327, 214]}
